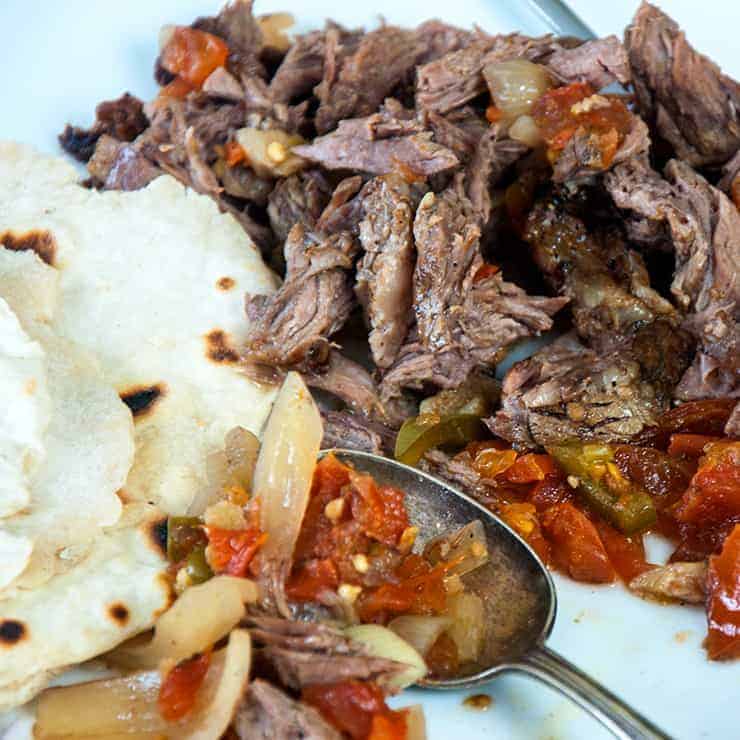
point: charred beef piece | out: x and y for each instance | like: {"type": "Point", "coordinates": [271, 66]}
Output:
{"type": "Point", "coordinates": [362, 80]}
{"type": "Point", "coordinates": [682, 93]}
{"type": "Point", "coordinates": [607, 283]}
{"type": "Point", "coordinates": [349, 431]}
{"type": "Point", "coordinates": [116, 165]}
{"type": "Point", "coordinates": [385, 273]}
{"type": "Point", "coordinates": [703, 227]}
{"type": "Point", "coordinates": [347, 380]}
{"type": "Point", "coordinates": [237, 26]}
{"type": "Point", "coordinates": [123, 119]}
{"type": "Point", "coordinates": [568, 392]}
{"type": "Point", "coordinates": [600, 63]}
{"type": "Point", "coordinates": [267, 713]}
{"type": "Point", "coordinates": [304, 653]}
{"type": "Point", "coordinates": [458, 304]}
{"type": "Point", "coordinates": [583, 158]}
{"type": "Point", "coordinates": [291, 328]}
{"type": "Point", "coordinates": [345, 208]}
{"type": "Point", "coordinates": [379, 144]}
{"type": "Point", "coordinates": [299, 198]}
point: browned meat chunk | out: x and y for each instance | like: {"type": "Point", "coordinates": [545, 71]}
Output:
{"type": "Point", "coordinates": [683, 582]}
{"type": "Point", "coordinates": [459, 131]}
{"type": "Point", "coordinates": [116, 165]}
{"type": "Point", "coordinates": [440, 38]}
{"type": "Point", "coordinates": [364, 79]}
{"type": "Point", "coordinates": [345, 208]}
{"type": "Point", "coordinates": [732, 428]}
{"type": "Point", "coordinates": [567, 391]}
{"type": "Point", "coordinates": [267, 713]}
{"type": "Point", "coordinates": [291, 328]}
{"type": "Point", "coordinates": [348, 431]}
{"type": "Point", "coordinates": [384, 276]}
{"type": "Point", "coordinates": [299, 198]}
{"type": "Point", "coordinates": [368, 145]}
{"type": "Point", "coordinates": [304, 653]}
{"type": "Point", "coordinates": [600, 62]}
{"type": "Point", "coordinates": [123, 119]}
{"type": "Point", "coordinates": [685, 95]}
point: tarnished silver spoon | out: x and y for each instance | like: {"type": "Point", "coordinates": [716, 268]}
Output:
{"type": "Point", "coordinates": [518, 594]}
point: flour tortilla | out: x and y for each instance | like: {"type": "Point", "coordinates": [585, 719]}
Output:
{"type": "Point", "coordinates": [152, 282]}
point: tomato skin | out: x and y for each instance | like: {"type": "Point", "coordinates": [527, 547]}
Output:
{"type": "Point", "coordinates": [311, 580]}
{"type": "Point", "coordinates": [192, 55]}
{"type": "Point", "coordinates": [626, 554]}
{"type": "Point", "coordinates": [179, 688]}
{"type": "Point", "coordinates": [576, 546]}
{"type": "Point", "coordinates": [723, 602]}
{"type": "Point", "coordinates": [443, 658]}
{"type": "Point", "coordinates": [522, 518]}
{"type": "Point", "coordinates": [230, 551]}
{"type": "Point", "coordinates": [691, 445]}
{"type": "Point", "coordinates": [531, 469]}
{"type": "Point", "coordinates": [352, 707]}
{"type": "Point", "coordinates": [379, 510]}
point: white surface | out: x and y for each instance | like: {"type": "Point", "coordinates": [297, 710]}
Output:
{"type": "Point", "coordinates": [59, 59]}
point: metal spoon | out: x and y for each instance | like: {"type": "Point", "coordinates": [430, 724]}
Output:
{"type": "Point", "coordinates": [518, 594]}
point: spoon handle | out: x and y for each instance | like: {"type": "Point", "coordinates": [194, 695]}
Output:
{"type": "Point", "coordinates": [560, 674]}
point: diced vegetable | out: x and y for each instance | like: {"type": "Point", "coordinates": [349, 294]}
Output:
{"type": "Point", "coordinates": [477, 395]}
{"type": "Point", "coordinates": [465, 549]}
{"type": "Point", "coordinates": [601, 485]}
{"type": "Point", "coordinates": [282, 479]}
{"type": "Point", "coordinates": [273, 27]}
{"type": "Point", "coordinates": [379, 510]}
{"type": "Point", "coordinates": [515, 85]}
{"type": "Point", "coordinates": [199, 618]}
{"type": "Point", "coordinates": [424, 432]}
{"type": "Point", "coordinates": [419, 631]}
{"type": "Point", "coordinates": [385, 643]}
{"type": "Point", "coordinates": [442, 658]}
{"type": "Point", "coordinates": [683, 582]}
{"type": "Point", "coordinates": [691, 445]}
{"type": "Point", "coordinates": [192, 54]}
{"type": "Point", "coordinates": [415, 723]}
{"type": "Point", "coordinates": [241, 448]}
{"type": "Point", "coordinates": [197, 568]}
{"type": "Point", "coordinates": [180, 685]}
{"type": "Point", "coordinates": [626, 554]}
{"type": "Point", "coordinates": [184, 534]}
{"type": "Point", "coordinates": [269, 152]}
{"type": "Point", "coordinates": [694, 417]}
{"type": "Point", "coordinates": [129, 705]}
{"type": "Point", "coordinates": [522, 518]}
{"type": "Point", "coordinates": [490, 462]}
{"type": "Point", "coordinates": [230, 551]}
{"type": "Point", "coordinates": [576, 546]}
{"type": "Point", "coordinates": [723, 604]}
{"type": "Point", "coordinates": [525, 129]}
{"type": "Point", "coordinates": [468, 628]}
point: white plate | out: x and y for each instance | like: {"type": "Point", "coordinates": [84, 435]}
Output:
{"type": "Point", "coordinates": [58, 60]}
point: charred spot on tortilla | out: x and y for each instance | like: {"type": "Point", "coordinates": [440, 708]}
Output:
{"type": "Point", "coordinates": [118, 613]}
{"type": "Point", "coordinates": [225, 283]}
{"type": "Point", "coordinates": [37, 240]}
{"type": "Point", "coordinates": [142, 398]}
{"type": "Point", "coordinates": [219, 348]}
{"type": "Point", "coordinates": [157, 535]}
{"type": "Point", "coordinates": [166, 582]}
{"type": "Point", "coordinates": [11, 632]}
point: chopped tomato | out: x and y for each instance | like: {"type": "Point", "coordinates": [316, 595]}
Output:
{"type": "Point", "coordinates": [389, 725]}
{"type": "Point", "coordinates": [351, 706]}
{"type": "Point", "coordinates": [494, 114]}
{"type": "Point", "coordinates": [490, 462]}
{"type": "Point", "coordinates": [178, 88]}
{"type": "Point", "coordinates": [484, 272]}
{"type": "Point", "coordinates": [530, 469]}
{"type": "Point", "coordinates": [230, 551]}
{"type": "Point", "coordinates": [522, 518]}
{"type": "Point", "coordinates": [550, 491]}
{"type": "Point", "coordinates": [379, 510]}
{"type": "Point", "coordinates": [627, 554]}
{"type": "Point", "coordinates": [311, 580]}
{"type": "Point", "coordinates": [563, 111]}
{"type": "Point", "coordinates": [192, 55]}
{"type": "Point", "coordinates": [179, 689]}
{"type": "Point", "coordinates": [576, 546]}
{"type": "Point", "coordinates": [234, 154]}
{"type": "Point", "coordinates": [419, 589]}
{"type": "Point", "coordinates": [723, 603]}
{"type": "Point", "coordinates": [443, 658]}
{"type": "Point", "coordinates": [691, 445]}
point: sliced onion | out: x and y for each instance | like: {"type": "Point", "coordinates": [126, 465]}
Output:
{"type": "Point", "coordinates": [468, 628]}
{"type": "Point", "coordinates": [273, 27]}
{"type": "Point", "coordinates": [515, 85]}
{"type": "Point", "coordinates": [269, 152]}
{"type": "Point", "coordinates": [416, 726]}
{"type": "Point", "coordinates": [384, 643]}
{"type": "Point", "coordinates": [419, 631]}
{"type": "Point", "coordinates": [524, 129]}
{"type": "Point", "coordinates": [128, 706]}
{"type": "Point", "coordinates": [468, 545]}
{"type": "Point", "coordinates": [197, 621]}
{"type": "Point", "coordinates": [241, 448]}
{"type": "Point", "coordinates": [285, 466]}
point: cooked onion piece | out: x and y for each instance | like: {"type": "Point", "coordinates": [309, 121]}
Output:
{"type": "Point", "coordinates": [420, 632]}
{"type": "Point", "coordinates": [128, 706]}
{"type": "Point", "coordinates": [269, 152]}
{"type": "Point", "coordinates": [273, 27]}
{"type": "Point", "coordinates": [515, 85]}
{"type": "Point", "coordinates": [466, 547]}
{"type": "Point", "coordinates": [416, 728]}
{"type": "Point", "coordinates": [282, 478]}
{"type": "Point", "coordinates": [524, 129]}
{"type": "Point", "coordinates": [197, 620]}
{"type": "Point", "coordinates": [383, 643]}
{"type": "Point", "coordinates": [468, 628]}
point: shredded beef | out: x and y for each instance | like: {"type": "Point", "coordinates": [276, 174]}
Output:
{"type": "Point", "coordinates": [345, 208]}
{"type": "Point", "coordinates": [685, 95]}
{"type": "Point", "coordinates": [345, 430]}
{"type": "Point", "coordinates": [600, 63]}
{"type": "Point", "coordinates": [123, 119]}
{"type": "Point", "coordinates": [301, 69]}
{"type": "Point", "coordinates": [459, 131]}
{"type": "Point", "coordinates": [267, 713]}
{"type": "Point", "coordinates": [116, 165]}
{"type": "Point", "coordinates": [384, 275]}
{"type": "Point", "coordinates": [292, 327]}
{"type": "Point", "coordinates": [222, 84]}
{"type": "Point", "coordinates": [299, 198]}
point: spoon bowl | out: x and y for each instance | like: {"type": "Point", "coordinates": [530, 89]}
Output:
{"type": "Point", "coordinates": [517, 592]}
